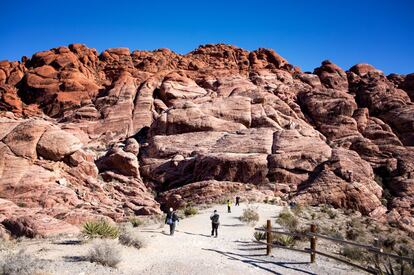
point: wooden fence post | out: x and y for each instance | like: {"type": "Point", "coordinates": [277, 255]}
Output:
{"type": "Point", "coordinates": [269, 237]}
{"type": "Point", "coordinates": [313, 243]}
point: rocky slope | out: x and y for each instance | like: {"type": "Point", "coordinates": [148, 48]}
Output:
{"type": "Point", "coordinates": [85, 135]}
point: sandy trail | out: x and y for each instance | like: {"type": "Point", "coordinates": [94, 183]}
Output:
{"type": "Point", "coordinates": [191, 250]}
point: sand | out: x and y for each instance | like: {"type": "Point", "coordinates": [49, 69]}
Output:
{"type": "Point", "coordinates": [192, 250]}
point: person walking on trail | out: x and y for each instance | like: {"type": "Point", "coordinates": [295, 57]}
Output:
{"type": "Point", "coordinates": [228, 206]}
{"type": "Point", "coordinates": [237, 201]}
{"type": "Point", "coordinates": [171, 220]}
{"type": "Point", "coordinates": [214, 223]}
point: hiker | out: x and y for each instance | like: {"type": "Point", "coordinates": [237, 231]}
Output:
{"type": "Point", "coordinates": [228, 206]}
{"type": "Point", "coordinates": [237, 201]}
{"type": "Point", "coordinates": [214, 223]}
{"type": "Point", "coordinates": [171, 220]}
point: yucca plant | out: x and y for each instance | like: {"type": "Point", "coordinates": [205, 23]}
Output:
{"type": "Point", "coordinates": [283, 240]}
{"type": "Point", "coordinates": [259, 236]}
{"type": "Point", "coordinates": [100, 229]}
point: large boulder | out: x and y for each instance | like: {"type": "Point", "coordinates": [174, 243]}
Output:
{"type": "Point", "coordinates": [36, 225]}
{"type": "Point", "coordinates": [56, 144]}
{"type": "Point", "coordinates": [124, 163]}
{"type": "Point", "coordinates": [345, 181]}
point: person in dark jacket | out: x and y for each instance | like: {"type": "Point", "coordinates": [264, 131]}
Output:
{"type": "Point", "coordinates": [237, 201]}
{"type": "Point", "coordinates": [214, 223]}
{"type": "Point", "coordinates": [171, 220]}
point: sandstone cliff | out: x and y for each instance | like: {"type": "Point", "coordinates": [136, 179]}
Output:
{"type": "Point", "coordinates": [86, 135]}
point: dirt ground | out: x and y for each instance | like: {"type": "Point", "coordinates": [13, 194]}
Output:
{"type": "Point", "coordinates": [190, 251]}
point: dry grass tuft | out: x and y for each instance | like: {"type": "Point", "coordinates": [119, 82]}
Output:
{"type": "Point", "coordinates": [288, 220]}
{"type": "Point", "coordinates": [21, 263]}
{"type": "Point", "coordinates": [250, 215]}
{"type": "Point", "coordinates": [130, 237]}
{"type": "Point", "coordinates": [105, 252]}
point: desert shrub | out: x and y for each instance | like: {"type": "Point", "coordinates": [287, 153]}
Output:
{"type": "Point", "coordinates": [136, 222]}
{"type": "Point", "coordinates": [105, 252]}
{"type": "Point", "coordinates": [313, 216]}
{"type": "Point", "coordinates": [21, 204]}
{"type": "Point", "coordinates": [301, 234]}
{"type": "Point", "coordinates": [259, 235]}
{"type": "Point", "coordinates": [266, 200]}
{"type": "Point", "coordinates": [272, 201]}
{"type": "Point", "coordinates": [355, 223]}
{"type": "Point", "coordinates": [353, 253]}
{"type": "Point", "coordinates": [388, 243]}
{"type": "Point", "coordinates": [287, 220]}
{"type": "Point", "coordinates": [376, 229]}
{"type": "Point", "coordinates": [332, 232]}
{"type": "Point", "coordinates": [100, 229]}
{"type": "Point", "coordinates": [328, 210]}
{"type": "Point", "coordinates": [190, 211]}
{"type": "Point", "coordinates": [297, 209]}
{"type": "Point", "coordinates": [386, 194]}
{"type": "Point", "coordinates": [250, 215]}
{"type": "Point", "coordinates": [355, 229]}
{"type": "Point", "coordinates": [383, 266]}
{"type": "Point", "coordinates": [352, 234]}
{"type": "Point", "coordinates": [130, 237]}
{"type": "Point", "coordinates": [407, 251]}
{"type": "Point", "coordinates": [21, 263]}
{"type": "Point", "coordinates": [283, 240]}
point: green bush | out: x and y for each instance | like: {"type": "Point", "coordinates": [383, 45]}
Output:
{"type": "Point", "coordinates": [287, 220]}
{"type": "Point", "coordinates": [250, 215]}
{"type": "Point", "coordinates": [136, 222]}
{"type": "Point", "coordinates": [190, 211]}
{"type": "Point", "coordinates": [259, 235]}
{"type": "Point", "coordinates": [353, 253]}
{"type": "Point", "coordinates": [100, 229]}
{"type": "Point", "coordinates": [283, 240]}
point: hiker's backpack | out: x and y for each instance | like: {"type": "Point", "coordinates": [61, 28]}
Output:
{"type": "Point", "coordinates": [215, 218]}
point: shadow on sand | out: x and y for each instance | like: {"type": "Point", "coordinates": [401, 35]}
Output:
{"type": "Point", "coordinates": [195, 234]}
{"type": "Point", "coordinates": [259, 263]}
{"type": "Point", "coordinates": [68, 242]}
{"type": "Point", "coordinates": [233, 225]}
{"type": "Point", "coordinates": [155, 231]}
{"type": "Point", "coordinates": [74, 259]}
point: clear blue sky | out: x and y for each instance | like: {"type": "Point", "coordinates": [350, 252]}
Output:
{"type": "Point", "coordinates": [303, 31]}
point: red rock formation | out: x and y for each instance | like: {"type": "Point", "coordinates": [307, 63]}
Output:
{"type": "Point", "coordinates": [86, 135]}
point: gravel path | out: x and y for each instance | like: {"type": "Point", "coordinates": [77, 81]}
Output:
{"type": "Point", "coordinates": [191, 251]}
